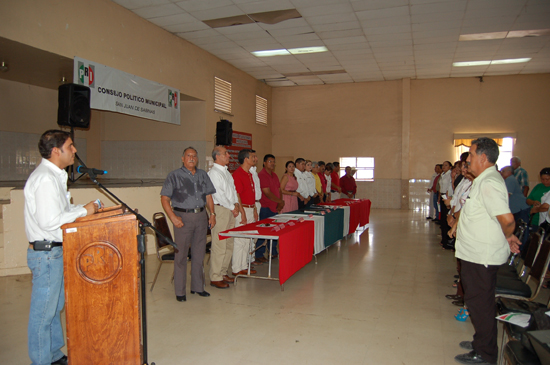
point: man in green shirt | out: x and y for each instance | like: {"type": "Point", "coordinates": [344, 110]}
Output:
{"type": "Point", "coordinates": [484, 241]}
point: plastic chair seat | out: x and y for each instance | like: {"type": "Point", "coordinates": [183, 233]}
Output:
{"type": "Point", "coordinates": [511, 286]}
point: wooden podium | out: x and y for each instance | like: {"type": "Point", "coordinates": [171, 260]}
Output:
{"type": "Point", "coordinates": [102, 289]}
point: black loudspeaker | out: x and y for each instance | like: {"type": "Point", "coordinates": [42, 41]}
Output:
{"type": "Point", "coordinates": [224, 133]}
{"type": "Point", "coordinates": [74, 106]}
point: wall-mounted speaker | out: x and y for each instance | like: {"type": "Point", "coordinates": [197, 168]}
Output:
{"type": "Point", "coordinates": [224, 133]}
{"type": "Point", "coordinates": [74, 106]}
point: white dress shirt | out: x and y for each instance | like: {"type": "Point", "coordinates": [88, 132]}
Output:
{"type": "Point", "coordinates": [310, 179]}
{"type": "Point", "coordinates": [303, 189]}
{"type": "Point", "coordinates": [329, 183]}
{"type": "Point", "coordinates": [225, 194]}
{"type": "Point", "coordinates": [257, 188]}
{"type": "Point", "coordinates": [446, 184]}
{"type": "Point", "coordinates": [48, 203]}
{"type": "Point", "coordinates": [461, 194]}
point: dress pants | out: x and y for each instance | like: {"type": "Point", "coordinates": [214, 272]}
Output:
{"type": "Point", "coordinates": [192, 234]}
{"type": "Point", "coordinates": [479, 284]}
{"type": "Point", "coordinates": [264, 214]}
{"type": "Point", "coordinates": [222, 250]}
{"type": "Point", "coordinates": [445, 240]}
{"type": "Point", "coordinates": [242, 246]}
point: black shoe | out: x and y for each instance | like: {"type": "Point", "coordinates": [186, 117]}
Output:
{"type": "Point", "coordinates": [201, 293]}
{"type": "Point", "coordinates": [181, 298]}
{"type": "Point", "coordinates": [61, 361]}
{"type": "Point", "coordinates": [453, 296]}
{"type": "Point", "coordinates": [471, 358]}
{"type": "Point", "coordinates": [456, 276]}
{"type": "Point", "coordinates": [459, 303]}
{"type": "Point", "coordinates": [466, 345]}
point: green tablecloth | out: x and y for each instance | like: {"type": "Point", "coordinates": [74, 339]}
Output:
{"type": "Point", "coordinates": [334, 225]}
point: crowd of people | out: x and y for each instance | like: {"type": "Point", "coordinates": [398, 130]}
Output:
{"type": "Point", "coordinates": [237, 199]}
{"type": "Point", "coordinates": [478, 207]}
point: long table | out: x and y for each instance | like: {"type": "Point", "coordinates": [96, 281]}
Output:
{"type": "Point", "coordinates": [295, 243]}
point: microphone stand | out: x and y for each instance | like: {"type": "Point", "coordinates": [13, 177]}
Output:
{"type": "Point", "coordinates": [143, 224]}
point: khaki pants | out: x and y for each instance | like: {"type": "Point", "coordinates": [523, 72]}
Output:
{"type": "Point", "coordinates": [222, 250]}
{"type": "Point", "coordinates": [242, 246]}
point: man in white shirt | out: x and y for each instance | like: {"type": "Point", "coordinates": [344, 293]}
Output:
{"type": "Point", "coordinates": [302, 189]}
{"type": "Point", "coordinates": [485, 238]}
{"type": "Point", "coordinates": [47, 208]}
{"type": "Point", "coordinates": [257, 195]}
{"type": "Point", "coordinates": [226, 207]}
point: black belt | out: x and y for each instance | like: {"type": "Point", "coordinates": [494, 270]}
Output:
{"type": "Point", "coordinates": [192, 210]}
{"type": "Point", "coordinates": [44, 245]}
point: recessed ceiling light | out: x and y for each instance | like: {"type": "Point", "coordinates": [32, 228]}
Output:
{"type": "Point", "coordinates": [528, 33]}
{"type": "Point", "coordinates": [271, 52]}
{"type": "Point", "coordinates": [494, 62]}
{"type": "Point", "coordinates": [304, 50]}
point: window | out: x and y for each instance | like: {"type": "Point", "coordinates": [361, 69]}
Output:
{"type": "Point", "coordinates": [364, 167]}
{"type": "Point", "coordinates": [506, 148]}
{"type": "Point", "coordinates": [261, 110]}
{"type": "Point", "coordinates": [222, 96]}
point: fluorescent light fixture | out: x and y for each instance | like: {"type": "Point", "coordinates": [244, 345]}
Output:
{"type": "Point", "coordinates": [502, 35]}
{"type": "Point", "coordinates": [471, 63]}
{"type": "Point", "coordinates": [494, 62]}
{"type": "Point", "coordinates": [271, 52]}
{"type": "Point", "coordinates": [305, 50]}
{"type": "Point", "coordinates": [510, 60]}
{"type": "Point", "coordinates": [482, 36]}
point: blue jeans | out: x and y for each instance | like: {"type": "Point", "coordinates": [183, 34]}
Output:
{"type": "Point", "coordinates": [264, 214]}
{"type": "Point", "coordinates": [45, 335]}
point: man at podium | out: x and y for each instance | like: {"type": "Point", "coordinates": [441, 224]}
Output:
{"type": "Point", "coordinates": [47, 208]}
{"type": "Point", "coordinates": [185, 194]}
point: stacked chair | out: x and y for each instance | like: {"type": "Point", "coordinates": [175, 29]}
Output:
{"type": "Point", "coordinates": [518, 285]}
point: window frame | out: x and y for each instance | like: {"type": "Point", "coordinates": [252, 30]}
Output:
{"type": "Point", "coordinates": [343, 167]}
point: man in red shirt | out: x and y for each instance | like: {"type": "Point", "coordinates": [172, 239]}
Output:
{"type": "Point", "coordinates": [244, 184]}
{"type": "Point", "coordinates": [271, 200]}
{"type": "Point", "coordinates": [335, 181]}
{"type": "Point", "coordinates": [348, 185]}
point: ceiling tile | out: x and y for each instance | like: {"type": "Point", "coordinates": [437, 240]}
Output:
{"type": "Point", "coordinates": [216, 13]}
{"type": "Point", "coordinates": [198, 5]}
{"type": "Point", "coordinates": [327, 9]}
{"type": "Point", "coordinates": [359, 5]}
{"type": "Point", "coordinates": [328, 27]}
{"type": "Point", "coordinates": [456, 7]}
{"type": "Point", "coordinates": [290, 31]}
{"type": "Point", "coordinates": [175, 19]}
{"type": "Point", "coordinates": [158, 10]}
{"type": "Point", "coordinates": [340, 33]}
{"type": "Point", "coordinates": [135, 4]}
{"type": "Point", "coordinates": [401, 11]}
{"type": "Point", "coordinates": [327, 19]}
{"type": "Point", "coordinates": [266, 5]}
{"type": "Point", "coordinates": [187, 27]}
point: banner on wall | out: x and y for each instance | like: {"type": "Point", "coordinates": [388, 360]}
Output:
{"type": "Point", "coordinates": [121, 92]}
{"type": "Point", "coordinates": [240, 141]}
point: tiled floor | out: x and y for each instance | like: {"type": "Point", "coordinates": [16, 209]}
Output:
{"type": "Point", "coordinates": [377, 298]}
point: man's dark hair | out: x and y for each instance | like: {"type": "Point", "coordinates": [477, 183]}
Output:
{"type": "Point", "coordinates": [268, 156]}
{"type": "Point", "coordinates": [298, 160]}
{"type": "Point", "coordinates": [336, 164]}
{"type": "Point", "coordinates": [488, 147]}
{"type": "Point", "coordinates": [321, 163]}
{"type": "Point", "coordinates": [50, 139]}
{"type": "Point", "coordinates": [545, 171]}
{"type": "Point", "coordinates": [440, 165]}
{"type": "Point", "coordinates": [244, 154]}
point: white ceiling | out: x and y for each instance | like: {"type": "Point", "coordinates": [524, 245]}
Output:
{"type": "Point", "coordinates": [368, 40]}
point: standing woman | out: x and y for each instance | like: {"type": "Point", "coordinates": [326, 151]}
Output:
{"type": "Point", "coordinates": [289, 185]}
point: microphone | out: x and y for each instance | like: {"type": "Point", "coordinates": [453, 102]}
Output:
{"type": "Point", "coordinates": [88, 170]}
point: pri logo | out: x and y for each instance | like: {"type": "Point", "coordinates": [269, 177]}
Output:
{"type": "Point", "coordinates": [86, 75]}
{"type": "Point", "coordinates": [172, 98]}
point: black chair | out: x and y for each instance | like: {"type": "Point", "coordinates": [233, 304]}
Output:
{"type": "Point", "coordinates": [165, 252]}
{"type": "Point", "coordinates": [521, 268]}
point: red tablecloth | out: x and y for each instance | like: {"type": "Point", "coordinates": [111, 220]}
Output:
{"type": "Point", "coordinates": [295, 244]}
{"type": "Point", "coordinates": [359, 211]}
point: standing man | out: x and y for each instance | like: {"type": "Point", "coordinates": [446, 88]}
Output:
{"type": "Point", "coordinates": [348, 185]}
{"type": "Point", "coordinates": [185, 194]}
{"type": "Point", "coordinates": [520, 174]}
{"type": "Point", "coordinates": [335, 189]}
{"type": "Point", "coordinates": [226, 208]}
{"type": "Point", "coordinates": [271, 200]}
{"type": "Point", "coordinates": [47, 208]}
{"type": "Point", "coordinates": [303, 189]}
{"type": "Point", "coordinates": [484, 241]}
{"type": "Point", "coordinates": [516, 201]}
{"type": "Point", "coordinates": [432, 190]}
{"type": "Point", "coordinates": [244, 184]}
{"type": "Point", "coordinates": [257, 193]}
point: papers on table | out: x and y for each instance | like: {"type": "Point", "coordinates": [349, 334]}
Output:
{"type": "Point", "coordinates": [519, 319]}
{"type": "Point", "coordinates": [248, 232]}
